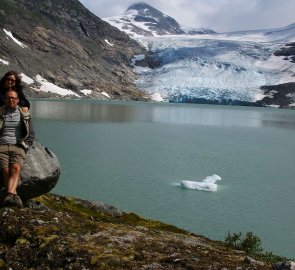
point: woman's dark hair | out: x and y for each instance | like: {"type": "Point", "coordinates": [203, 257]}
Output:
{"type": "Point", "coordinates": [18, 82]}
{"type": "Point", "coordinates": [18, 87]}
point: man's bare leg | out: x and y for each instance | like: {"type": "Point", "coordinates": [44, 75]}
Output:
{"type": "Point", "coordinates": [14, 174]}
{"type": "Point", "coordinates": [5, 175]}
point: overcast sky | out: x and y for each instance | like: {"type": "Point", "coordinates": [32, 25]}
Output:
{"type": "Point", "coordinates": [219, 15]}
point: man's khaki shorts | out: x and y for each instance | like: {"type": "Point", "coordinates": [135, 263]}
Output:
{"type": "Point", "coordinates": [11, 153]}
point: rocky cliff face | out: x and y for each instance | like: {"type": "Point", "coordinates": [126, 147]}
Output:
{"type": "Point", "coordinates": [67, 45]}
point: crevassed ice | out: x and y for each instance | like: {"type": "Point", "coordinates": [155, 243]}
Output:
{"type": "Point", "coordinates": [212, 69]}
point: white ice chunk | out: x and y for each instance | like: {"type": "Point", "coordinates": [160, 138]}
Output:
{"type": "Point", "coordinates": [207, 184]}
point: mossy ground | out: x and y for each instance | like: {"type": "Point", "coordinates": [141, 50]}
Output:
{"type": "Point", "coordinates": [63, 233]}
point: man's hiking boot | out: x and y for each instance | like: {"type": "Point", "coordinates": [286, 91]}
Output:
{"type": "Point", "coordinates": [11, 200]}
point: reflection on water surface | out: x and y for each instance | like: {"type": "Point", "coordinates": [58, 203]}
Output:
{"type": "Point", "coordinates": [212, 115]}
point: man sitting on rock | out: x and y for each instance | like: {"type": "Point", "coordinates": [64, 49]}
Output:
{"type": "Point", "coordinates": [16, 135]}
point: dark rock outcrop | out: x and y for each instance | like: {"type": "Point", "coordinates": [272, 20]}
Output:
{"type": "Point", "coordinates": [288, 51]}
{"type": "Point", "coordinates": [282, 95]}
{"type": "Point", "coordinates": [40, 173]}
{"type": "Point", "coordinates": [289, 265]}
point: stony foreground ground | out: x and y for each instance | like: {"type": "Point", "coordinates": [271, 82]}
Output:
{"type": "Point", "coordinates": [55, 232]}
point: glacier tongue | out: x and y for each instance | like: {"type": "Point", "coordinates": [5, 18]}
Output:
{"type": "Point", "coordinates": [210, 69]}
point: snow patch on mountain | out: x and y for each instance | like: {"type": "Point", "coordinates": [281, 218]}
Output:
{"type": "Point", "coordinates": [4, 62]}
{"type": "Point", "coordinates": [109, 43]}
{"type": "Point", "coordinates": [26, 79]}
{"type": "Point", "coordinates": [50, 87]}
{"type": "Point", "coordinates": [126, 23]}
{"type": "Point", "coordinates": [9, 34]}
{"type": "Point", "coordinates": [86, 92]}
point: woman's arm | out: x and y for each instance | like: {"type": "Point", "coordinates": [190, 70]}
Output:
{"type": "Point", "coordinates": [23, 101]}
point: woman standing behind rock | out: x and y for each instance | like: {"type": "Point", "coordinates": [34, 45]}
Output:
{"type": "Point", "coordinates": [11, 80]}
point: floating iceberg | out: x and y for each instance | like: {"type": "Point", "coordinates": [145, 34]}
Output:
{"type": "Point", "coordinates": [207, 184]}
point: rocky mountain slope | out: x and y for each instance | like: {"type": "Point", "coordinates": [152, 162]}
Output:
{"type": "Point", "coordinates": [67, 45]}
{"type": "Point", "coordinates": [55, 232]}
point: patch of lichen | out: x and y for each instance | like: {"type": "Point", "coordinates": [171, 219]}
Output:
{"type": "Point", "coordinates": [79, 210]}
{"type": "Point", "coordinates": [69, 205]}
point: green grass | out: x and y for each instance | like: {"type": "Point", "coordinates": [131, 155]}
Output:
{"type": "Point", "coordinates": [252, 244]}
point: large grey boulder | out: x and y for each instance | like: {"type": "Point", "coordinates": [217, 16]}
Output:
{"type": "Point", "coordinates": [288, 265]}
{"type": "Point", "coordinates": [40, 172]}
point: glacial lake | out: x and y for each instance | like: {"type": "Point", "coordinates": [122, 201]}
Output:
{"type": "Point", "coordinates": [135, 156]}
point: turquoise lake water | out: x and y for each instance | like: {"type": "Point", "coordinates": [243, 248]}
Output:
{"type": "Point", "coordinates": [135, 155]}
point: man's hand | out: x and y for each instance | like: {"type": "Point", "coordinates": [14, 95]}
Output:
{"type": "Point", "coordinates": [25, 109]}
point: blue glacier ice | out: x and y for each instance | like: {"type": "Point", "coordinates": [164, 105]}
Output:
{"type": "Point", "coordinates": [212, 68]}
